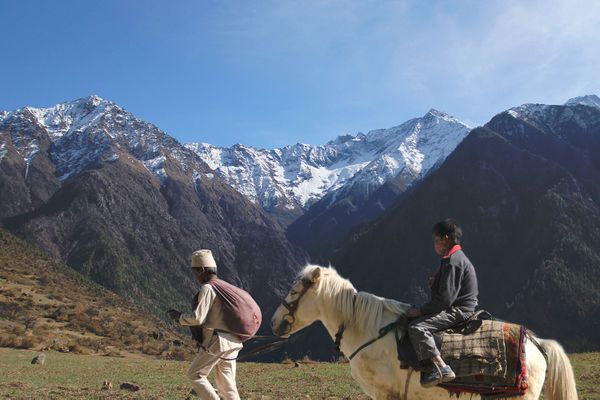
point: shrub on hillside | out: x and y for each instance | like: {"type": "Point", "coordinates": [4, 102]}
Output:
{"type": "Point", "coordinates": [11, 310]}
{"type": "Point", "coordinates": [79, 349]}
{"type": "Point", "coordinates": [287, 361]}
{"type": "Point", "coordinates": [18, 330]}
{"type": "Point", "coordinates": [307, 360]}
{"type": "Point", "coordinates": [18, 341]}
{"type": "Point", "coordinates": [44, 280]}
{"type": "Point", "coordinates": [131, 340]}
{"type": "Point", "coordinates": [61, 314]}
{"type": "Point", "coordinates": [28, 342]}
{"type": "Point", "coordinates": [152, 349]}
{"type": "Point", "coordinates": [92, 311]}
{"type": "Point", "coordinates": [8, 340]}
{"type": "Point", "coordinates": [177, 354]}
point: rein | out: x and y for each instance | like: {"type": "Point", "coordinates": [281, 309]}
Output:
{"type": "Point", "coordinates": [258, 351]}
{"type": "Point", "coordinates": [382, 332]}
{"type": "Point", "coordinates": [290, 317]}
{"type": "Point", "coordinates": [265, 348]}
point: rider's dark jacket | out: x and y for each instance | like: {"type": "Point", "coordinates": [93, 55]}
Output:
{"type": "Point", "coordinates": [454, 284]}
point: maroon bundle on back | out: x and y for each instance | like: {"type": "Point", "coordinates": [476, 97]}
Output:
{"type": "Point", "coordinates": [241, 313]}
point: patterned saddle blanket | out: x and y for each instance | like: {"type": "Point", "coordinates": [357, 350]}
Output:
{"type": "Point", "coordinates": [488, 358]}
{"type": "Point", "coordinates": [489, 361]}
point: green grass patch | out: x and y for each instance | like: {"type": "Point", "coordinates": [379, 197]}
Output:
{"type": "Point", "coordinates": [68, 376]}
{"type": "Point", "coordinates": [587, 373]}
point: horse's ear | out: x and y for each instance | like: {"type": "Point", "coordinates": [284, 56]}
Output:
{"type": "Point", "coordinates": [316, 274]}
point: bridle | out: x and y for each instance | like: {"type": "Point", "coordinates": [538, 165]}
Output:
{"type": "Point", "coordinates": [290, 318]}
{"type": "Point", "coordinates": [292, 306]}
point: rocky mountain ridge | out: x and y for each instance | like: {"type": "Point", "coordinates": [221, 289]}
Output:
{"type": "Point", "coordinates": [126, 204]}
{"type": "Point", "coordinates": [295, 177]}
{"type": "Point", "coordinates": [525, 189]}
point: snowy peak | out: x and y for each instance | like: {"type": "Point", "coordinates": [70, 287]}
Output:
{"type": "Point", "coordinates": [342, 139]}
{"type": "Point", "coordinates": [433, 113]}
{"type": "Point", "coordinates": [70, 132]}
{"type": "Point", "coordinates": [551, 119]}
{"type": "Point", "coordinates": [65, 117]}
{"type": "Point", "coordinates": [296, 176]}
{"type": "Point", "coordinates": [90, 130]}
{"type": "Point", "coordinates": [590, 100]}
{"type": "Point", "coordinates": [537, 110]}
{"type": "Point", "coordinates": [411, 149]}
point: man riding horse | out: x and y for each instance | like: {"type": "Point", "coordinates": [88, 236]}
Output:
{"type": "Point", "coordinates": [453, 300]}
{"type": "Point", "coordinates": [522, 364]}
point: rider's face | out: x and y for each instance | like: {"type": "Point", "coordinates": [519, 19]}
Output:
{"type": "Point", "coordinates": [441, 244]}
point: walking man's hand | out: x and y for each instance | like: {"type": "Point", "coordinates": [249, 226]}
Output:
{"type": "Point", "coordinates": [174, 314]}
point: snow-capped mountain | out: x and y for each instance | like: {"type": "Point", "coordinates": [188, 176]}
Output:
{"type": "Point", "coordinates": [590, 100]}
{"type": "Point", "coordinates": [552, 119]}
{"type": "Point", "coordinates": [81, 133]}
{"type": "Point", "coordinates": [297, 176]}
{"type": "Point", "coordinates": [125, 204]}
{"type": "Point", "coordinates": [517, 188]}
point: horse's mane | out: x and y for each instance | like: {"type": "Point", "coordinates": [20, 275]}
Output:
{"type": "Point", "coordinates": [361, 309]}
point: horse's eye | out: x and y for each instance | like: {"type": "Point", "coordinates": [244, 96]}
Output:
{"type": "Point", "coordinates": [293, 293]}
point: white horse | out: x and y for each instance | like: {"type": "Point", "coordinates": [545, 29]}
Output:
{"type": "Point", "coordinates": [321, 294]}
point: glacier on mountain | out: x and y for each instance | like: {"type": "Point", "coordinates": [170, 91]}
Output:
{"type": "Point", "coordinates": [90, 130]}
{"type": "Point", "coordinates": [298, 175]}
{"type": "Point", "coordinates": [550, 118]}
{"type": "Point", "coordinates": [590, 100]}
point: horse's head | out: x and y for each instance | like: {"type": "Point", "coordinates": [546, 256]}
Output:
{"type": "Point", "coordinates": [299, 308]}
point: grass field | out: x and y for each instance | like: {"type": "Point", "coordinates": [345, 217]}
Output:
{"type": "Point", "coordinates": [67, 376]}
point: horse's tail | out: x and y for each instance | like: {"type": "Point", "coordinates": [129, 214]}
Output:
{"type": "Point", "coordinates": [560, 379]}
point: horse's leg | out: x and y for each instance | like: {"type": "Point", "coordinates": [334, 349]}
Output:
{"type": "Point", "coordinates": [536, 371]}
{"type": "Point", "coordinates": [377, 382]}
{"type": "Point", "coordinates": [386, 395]}
{"type": "Point", "coordinates": [365, 386]}
{"type": "Point", "coordinates": [374, 391]}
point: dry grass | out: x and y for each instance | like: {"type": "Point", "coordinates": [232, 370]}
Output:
{"type": "Point", "coordinates": [57, 309]}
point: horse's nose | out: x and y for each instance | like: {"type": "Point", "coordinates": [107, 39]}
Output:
{"type": "Point", "coordinates": [274, 328]}
{"type": "Point", "coordinates": [282, 329]}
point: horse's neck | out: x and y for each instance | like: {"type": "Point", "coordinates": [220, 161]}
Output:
{"type": "Point", "coordinates": [332, 318]}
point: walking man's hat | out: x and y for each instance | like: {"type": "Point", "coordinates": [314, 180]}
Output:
{"type": "Point", "coordinates": [203, 259]}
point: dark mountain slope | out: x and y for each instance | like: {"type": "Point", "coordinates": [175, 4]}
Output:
{"type": "Point", "coordinates": [530, 229]}
{"type": "Point", "coordinates": [126, 205]}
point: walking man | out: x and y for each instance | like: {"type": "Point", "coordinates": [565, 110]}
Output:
{"type": "Point", "coordinates": [218, 348]}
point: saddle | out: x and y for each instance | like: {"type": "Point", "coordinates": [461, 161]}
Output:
{"type": "Point", "coordinates": [406, 352]}
{"type": "Point", "coordinates": [486, 355]}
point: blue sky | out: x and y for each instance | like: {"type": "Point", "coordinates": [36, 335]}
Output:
{"type": "Point", "coordinates": [271, 73]}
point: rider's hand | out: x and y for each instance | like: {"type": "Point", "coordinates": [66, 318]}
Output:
{"type": "Point", "coordinates": [430, 281]}
{"type": "Point", "coordinates": [414, 312]}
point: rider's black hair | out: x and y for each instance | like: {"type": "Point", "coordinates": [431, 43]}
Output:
{"type": "Point", "coordinates": [448, 227]}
